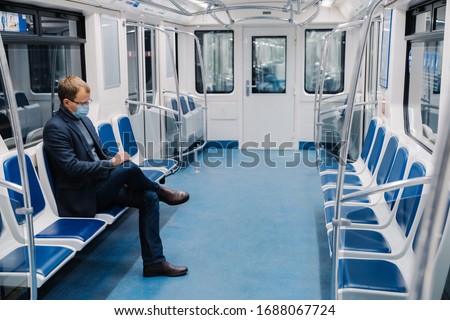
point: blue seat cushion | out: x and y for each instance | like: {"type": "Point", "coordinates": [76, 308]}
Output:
{"type": "Point", "coordinates": [106, 134]}
{"type": "Point", "coordinates": [348, 179]}
{"type": "Point", "coordinates": [378, 275]}
{"type": "Point", "coordinates": [330, 195]}
{"type": "Point", "coordinates": [113, 211]}
{"type": "Point", "coordinates": [331, 164]}
{"type": "Point", "coordinates": [166, 163]}
{"type": "Point", "coordinates": [127, 136]}
{"type": "Point", "coordinates": [362, 240]}
{"type": "Point", "coordinates": [47, 259]}
{"type": "Point", "coordinates": [154, 175]}
{"type": "Point", "coordinates": [81, 229]}
{"type": "Point", "coordinates": [357, 214]}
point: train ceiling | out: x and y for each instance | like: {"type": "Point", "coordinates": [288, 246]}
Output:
{"type": "Point", "coordinates": [229, 12]}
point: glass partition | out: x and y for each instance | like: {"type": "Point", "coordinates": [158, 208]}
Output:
{"type": "Point", "coordinates": [133, 62]}
{"type": "Point", "coordinates": [334, 74]}
{"type": "Point", "coordinates": [217, 47]}
{"type": "Point", "coordinates": [14, 269]}
{"type": "Point", "coordinates": [138, 52]}
{"type": "Point", "coordinates": [425, 46]}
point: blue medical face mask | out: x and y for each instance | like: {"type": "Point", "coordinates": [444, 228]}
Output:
{"type": "Point", "coordinates": [82, 110]}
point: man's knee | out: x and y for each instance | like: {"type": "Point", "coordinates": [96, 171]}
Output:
{"type": "Point", "coordinates": [129, 169]}
{"type": "Point", "coordinates": [129, 165]}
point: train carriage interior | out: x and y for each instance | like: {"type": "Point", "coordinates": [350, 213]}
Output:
{"type": "Point", "coordinates": [311, 135]}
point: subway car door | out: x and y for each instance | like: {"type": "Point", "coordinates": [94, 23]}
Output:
{"type": "Point", "coordinates": [268, 104]}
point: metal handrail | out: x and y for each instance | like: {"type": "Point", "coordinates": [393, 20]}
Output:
{"type": "Point", "coordinates": [321, 80]}
{"type": "Point", "coordinates": [166, 32]}
{"type": "Point", "coordinates": [205, 97]}
{"type": "Point", "coordinates": [25, 188]}
{"type": "Point", "coordinates": [175, 74]}
{"type": "Point", "coordinates": [150, 105]}
{"type": "Point", "coordinates": [387, 187]}
{"type": "Point", "coordinates": [336, 95]}
{"type": "Point", "coordinates": [344, 106]}
{"type": "Point", "coordinates": [186, 94]}
{"type": "Point", "coordinates": [218, 6]}
{"type": "Point", "coordinates": [373, 5]}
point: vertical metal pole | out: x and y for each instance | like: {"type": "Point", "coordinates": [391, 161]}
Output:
{"type": "Point", "coordinates": [202, 69]}
{"type": "Point", "coordinates": [142, 91]}
{"type": "Point", "coordinates": [344, 144]}
{"type": "Point", "coordinates": [319, 94]}
{"type": "Point", "coordinates": [177, 90]}
{"type": "Point", "coordinates": [22, 167]}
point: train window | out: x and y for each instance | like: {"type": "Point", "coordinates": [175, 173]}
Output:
{"type": "Point", "coordinates": [423, 79]}
{"type": "Point", "coordinates": [133, 63]}
{"type": "Point", "coordinates": [334, 75]}
{"type": "Point", "coordinates": [44, 46]}
{"type": "Point", "coordinates": [439, 20]}
{"type": "Point", "coordinates": [110, 44]}
{"type": "Point", "coordinates": [426, 18]}
{"type": "Point", "coordinates": [55, 26]}
{"type": "Point", "coordinates": [217, 47]}
{"type": "Point", "coordinates": [49, 63]}
{"type": "Point", "coordinates": [423, 22]}
{"type": "Point", "coordinates": [148, 56]}
{"type": "Point", "coordinates": [269, 64]}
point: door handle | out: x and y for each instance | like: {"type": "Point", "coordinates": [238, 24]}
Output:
{"type": "Point", "coordinates": [247, 88]}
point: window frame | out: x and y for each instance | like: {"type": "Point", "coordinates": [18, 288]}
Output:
{"type": "Point", "coordinates": [342, 62]}
{"type": "Point", "coordinates": [412, 37]}
{"type": "Point", "coordinates": [198, 80]}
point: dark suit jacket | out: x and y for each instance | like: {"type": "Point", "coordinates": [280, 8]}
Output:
{"type": "Point", "coordinates": [73, 167]}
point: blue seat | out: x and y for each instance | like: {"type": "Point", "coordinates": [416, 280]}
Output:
{"type": "Point", "coordinates": [188, 122]}
{"type": "Point", "coordinates": [45, 177]}
{"type": "Point", "coordinates": [48, 227]}
{"type": "Point", "coordinates": [123, 132]}
{"type": "Point", "coordinates": [14, 262]}
{"type": "Point", "coordinates": [191, 103]}
{"type": "Point", "coordinates": [365, 240]}
{"type": "Point", "coordinates": [14, 259]}
{"type": "Point", "coordinates": [352, 179]}
{"type": "Point", "coordinates": [197, 115]}
{"type": "Point", "coordinates": [106, 134]}
{"type": "Point", "coordinates": [381, 174]}
{"type": "Point", "coordinates": [365, 214]}
{"type": "Point", "coordinates": [382, 277]}
{"type": "Point", "coordinates": [375, 275]}
{"type": "Point", "coordinates": [331, 164]}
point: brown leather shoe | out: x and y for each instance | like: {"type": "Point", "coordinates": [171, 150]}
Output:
{"type": "Point", "coordinates": [172, 197]}
{"type": "Point", "coordinates": [164, 268]}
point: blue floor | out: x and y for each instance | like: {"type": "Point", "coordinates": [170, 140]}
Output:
{"type": "Point", "coordinates": [253, 229]}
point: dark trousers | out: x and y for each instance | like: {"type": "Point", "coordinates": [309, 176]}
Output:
{"type": "Point", "coordinates": [127, 186]}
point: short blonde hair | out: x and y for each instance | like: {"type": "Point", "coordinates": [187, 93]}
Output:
{"type": "Point", "coordinates": [69, 87]}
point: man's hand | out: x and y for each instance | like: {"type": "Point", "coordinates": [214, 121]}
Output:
{"type": "Point", "coordinates": [120, 158]}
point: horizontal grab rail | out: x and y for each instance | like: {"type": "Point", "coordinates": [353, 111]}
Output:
{"type": "Point", "coordinates": [151, 105]}
{"type": "Point", "coordinates": [184, 94]}
{"type": "Point", "coordinates": [348, 25]}
{"type": "Point", "coordinates": [388, 187]}
{"type": "Point", "coordinates": [338, 108]}
{"type": "Point", "coordinates": [11, 185]}
{"type": "Point", "coordinates": [337, 95]}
